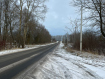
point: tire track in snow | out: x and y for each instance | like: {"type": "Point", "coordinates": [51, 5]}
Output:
{"type": "Point", "coordinates": [75, 62]}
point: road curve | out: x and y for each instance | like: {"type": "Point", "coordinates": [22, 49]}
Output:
{"type": "Point", "coordinates": [15, 57]}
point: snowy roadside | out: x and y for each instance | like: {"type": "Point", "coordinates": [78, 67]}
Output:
{"type": "Point", "coordinates": [63, 65]}
{"type": "Point", "coordinates": [28, 47]}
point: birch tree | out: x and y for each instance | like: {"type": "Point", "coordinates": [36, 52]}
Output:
{"type": "Point", "coordinates": [0, 16]}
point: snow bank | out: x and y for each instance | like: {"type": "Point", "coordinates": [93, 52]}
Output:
{"type": "Point", "coordinates": [28, 47]}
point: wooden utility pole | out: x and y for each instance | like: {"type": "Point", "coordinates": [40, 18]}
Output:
{"type": "Point", "coordinates": [81, 29]}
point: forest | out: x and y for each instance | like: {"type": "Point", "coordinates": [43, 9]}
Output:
{"type": "Point", "coordinates": [20, 23]}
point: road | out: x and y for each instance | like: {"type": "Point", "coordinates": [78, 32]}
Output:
{"type": "Point", "coordinates": [37, 54]}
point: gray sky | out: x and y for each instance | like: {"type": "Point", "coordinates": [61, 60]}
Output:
{"type": "Point", "coordinates": [57, 17]}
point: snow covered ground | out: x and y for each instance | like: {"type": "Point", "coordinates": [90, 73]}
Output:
{"type": "Point", "coordinates": [64, 65]}
{"type": "Point", "coordinates": [27, 47]}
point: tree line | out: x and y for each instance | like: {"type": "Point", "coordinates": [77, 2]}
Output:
{"type": "Point", "coordinates": [19, 22]}
{"type": "Point", "coordinates": [93, 41]}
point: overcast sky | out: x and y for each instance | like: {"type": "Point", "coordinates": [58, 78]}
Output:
{"type": "Point", "coordinates": [57, 17]}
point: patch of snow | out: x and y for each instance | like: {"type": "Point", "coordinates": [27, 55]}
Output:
{"type": "Point", "coordinates": [99, 71]}
{"type": "Point", "coordinates": [63, 65]}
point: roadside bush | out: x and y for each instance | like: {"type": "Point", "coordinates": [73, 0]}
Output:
{"type": "Point", "coordinates": [2, 45]}
{"type": "Point", "coordinates": [91, 42]}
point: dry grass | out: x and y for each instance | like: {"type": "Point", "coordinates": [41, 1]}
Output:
{"type": "Point", "coordinates": [92, 52]}
{"type": "Point", "coordinates": [86, 54]}
{"type": "Point", "coordinates": [75, 50]}
{"type": "Point", "coordinates": [70, 50]}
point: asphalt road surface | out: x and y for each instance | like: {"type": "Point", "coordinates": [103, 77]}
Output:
{"type": "Point", "coordinates": [6, 60]}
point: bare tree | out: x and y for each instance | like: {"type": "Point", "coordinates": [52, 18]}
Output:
{"type": "Point", "coordinates": [35, 7]}
{"type": "Point", "coordinates": [0, 16]}
{"type": "Point", "coordinates": [73, 29]}
{"type": "Point", "coordinates": [16, 17]}
{"type": "Point", "coordinates": [97, 12]}
{"type": "Point", "coordinates": [100, 9]}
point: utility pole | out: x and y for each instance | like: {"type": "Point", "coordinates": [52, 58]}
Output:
{"type": "Point", "coordinates": [67, 37]}
{"type": "Point", "coordinates": [61, 38]}
{"type": "Point", "coordinates": [75, 36]}
{"type": "Point", "coordinates": [81, 29]}
{"type": "Point", "coordinates": [64, 39]}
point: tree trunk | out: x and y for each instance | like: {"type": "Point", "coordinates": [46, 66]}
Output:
{"type": "Point", "coordinates": [21, 5]}
{"type": "Point", "coordinates": [0, 23]}
{"type": "Point", "coordinates": [101, 21]}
